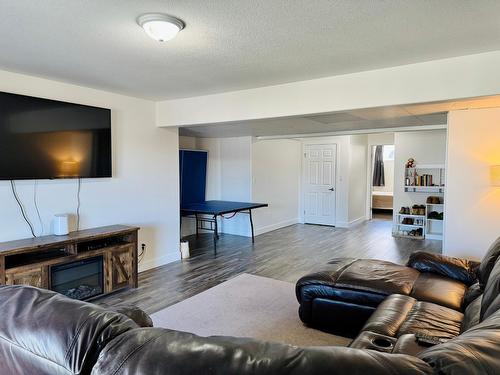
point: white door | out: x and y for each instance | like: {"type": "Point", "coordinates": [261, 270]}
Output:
{"type": "Point", "coordinates": [319, 184]}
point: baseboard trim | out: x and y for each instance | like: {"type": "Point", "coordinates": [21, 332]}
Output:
{"type": "Point", "coordinates": [281, 224]}
{"type": "Point", "coordinates": [357, 221]}
{"type": "Point", "coordinates": [160, 261]}
{"type": "Point", "coordinates": [342, 224]}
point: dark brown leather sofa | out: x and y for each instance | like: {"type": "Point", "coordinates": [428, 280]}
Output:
{"type": "Point", "coordinates": [42, 332]}
{"type": "Point", "coordinates": [396, 309]}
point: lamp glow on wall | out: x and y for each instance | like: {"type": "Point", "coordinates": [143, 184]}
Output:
{"type": "Point", "coordinates": [495, 175]}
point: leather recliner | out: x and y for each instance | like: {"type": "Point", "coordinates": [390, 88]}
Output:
{"type": "Point", "coordinates": [45, 333]}
{"type": "Point", "coordinates": [42, 332]}
{"type": "Point", "coordinates": [396, 309]}
{"type": "Point", "coordinates": [341, 296]}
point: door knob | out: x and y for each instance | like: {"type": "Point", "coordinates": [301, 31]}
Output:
{"type": "Point", "coordinates": [331, 189]}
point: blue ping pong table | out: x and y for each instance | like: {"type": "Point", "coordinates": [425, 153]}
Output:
{"type": "Point", "coordinates": [208, 211]}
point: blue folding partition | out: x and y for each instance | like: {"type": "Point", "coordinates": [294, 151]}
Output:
{"type": "Point", "coordinates": [193, 176]}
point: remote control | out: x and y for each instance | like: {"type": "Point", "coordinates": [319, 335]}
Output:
{"type": "Point", "coordinates": [429, 340]}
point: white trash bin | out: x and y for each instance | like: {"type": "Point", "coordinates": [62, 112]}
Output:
{"type": "Point", "coordinates": [184, 249]}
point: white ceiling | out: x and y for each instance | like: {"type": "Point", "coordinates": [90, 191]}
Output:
{"type": "Point", "coordinates": [414, 116]}
{"type": "Point", "coordinates": [235, 44]}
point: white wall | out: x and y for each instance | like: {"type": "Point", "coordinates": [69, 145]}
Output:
{"type": "Point", "coordinates": [276, 179]}
{"type": "Point", "coordinates": [452, 78]}
{"type": "Point", "coordinates": [187, 143]}
{"type": "Point", "coordinates": [472, 205]}
{"type": "Point", "coordinates": [243, 169]}
{"type": "Point", "coordinates": [236, 180]}
{"type": "Point", "coordinates": [357, 178]}
{"type": "Point", "coordinates": [144, 188]}
{"type": "Point", "coordinates": [427, 147]}
{"type": "Point", "coordinates": [381, 139]}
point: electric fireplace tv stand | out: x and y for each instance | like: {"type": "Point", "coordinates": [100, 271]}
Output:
{"type": "Point", "coordinates": [82, 264]}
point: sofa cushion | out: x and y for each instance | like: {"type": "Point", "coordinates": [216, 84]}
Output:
{"type": "Point", "coordinates": [390, 315]}
{"type": "Point", "coordinates": [433, 320]}
{"type": "Point", "coordinates": [472, 293]}
{"type": "Point", "coordinates": [491, 296]}
{"type": "Point", "coordinates": [488, 262]}
{"type": "Point", "coordinates": [474, 352]}
{"type": "Point", "coordinates": [459, 269]}
{"type": "Point", "coordinates": [472, 314]}
{"type": "Point", "coordinates": [441, 290]}
{"type": "Point", "coordinates": [377, 276]}
{"type": "Point", "coordinates": [43, 332]}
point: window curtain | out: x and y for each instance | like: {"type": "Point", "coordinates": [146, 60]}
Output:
{"type": "Point", "coordinates": [378, 167]}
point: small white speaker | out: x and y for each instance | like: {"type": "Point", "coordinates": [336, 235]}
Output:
{"type": "Point", "coordinates": [61, 224]}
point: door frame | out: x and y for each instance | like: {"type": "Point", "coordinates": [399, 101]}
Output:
{"type": "Point", "coordinates": [369, 176]}
{"type": "Point", "coordinates": [302, 189]}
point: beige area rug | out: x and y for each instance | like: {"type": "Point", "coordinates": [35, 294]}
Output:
{"type": "Point", "coordinates": [245, 306]}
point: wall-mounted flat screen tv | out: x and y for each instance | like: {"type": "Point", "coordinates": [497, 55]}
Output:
{"type": "Point", "coordinates": [48, 139]}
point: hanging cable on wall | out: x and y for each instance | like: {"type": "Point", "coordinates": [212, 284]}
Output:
{"type": "Point", "coordinates": [21, 207]}
{"type": "Point", "coordinates": [35, 201]}
{"type": "Point", "coordinates": [78, 204]}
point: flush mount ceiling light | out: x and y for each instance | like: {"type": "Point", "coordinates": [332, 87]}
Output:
{"type": "Point", "coordinates": [160, 27]}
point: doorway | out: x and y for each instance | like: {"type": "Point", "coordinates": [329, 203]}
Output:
{"type": "Point", "coordinates": [320, 184]}
{"type": "Point", "coordinates": [382, 182]}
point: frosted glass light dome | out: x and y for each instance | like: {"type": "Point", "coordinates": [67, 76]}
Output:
{"type": "Point", "coordinates": [160, 27]}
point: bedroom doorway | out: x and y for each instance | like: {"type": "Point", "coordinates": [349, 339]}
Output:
{"type": "Point", "coordinates": [382, 182]}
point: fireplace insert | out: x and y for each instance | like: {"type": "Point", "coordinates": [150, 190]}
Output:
{"type": "Point", "coordinates": [81, 280]}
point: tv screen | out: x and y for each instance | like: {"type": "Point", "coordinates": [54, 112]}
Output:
{"type": "Point", "coordinates": [46, 139]}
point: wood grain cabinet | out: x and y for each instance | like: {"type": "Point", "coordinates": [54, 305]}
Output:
{"type": "Point", "coordinates": [29, 262]}
{"type": "Point", "coordinates": [122, 272]}
{"type": "Point", "coordinates": [36, 276]}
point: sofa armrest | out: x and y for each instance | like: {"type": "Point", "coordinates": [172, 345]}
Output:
{"type": "Point", "coordinates": [462, 270]}
{"type": "Point", "coordinates": [141, 318]}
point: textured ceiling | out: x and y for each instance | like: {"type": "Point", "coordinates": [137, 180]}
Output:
{"type": "Point", "coordinates": [235, 44]}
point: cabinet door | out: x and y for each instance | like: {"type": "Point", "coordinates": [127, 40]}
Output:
{"type": "Point", "coordinates": [36, 276]}
{"type": "Point", "coordinates": [123, 268]}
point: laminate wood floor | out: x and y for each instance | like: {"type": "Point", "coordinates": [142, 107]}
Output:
{"type": "Point", "coordinates": [284, 254]}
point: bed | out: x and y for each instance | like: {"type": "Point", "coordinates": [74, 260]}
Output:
{"type": "Point", "coordinates": [382, 200]}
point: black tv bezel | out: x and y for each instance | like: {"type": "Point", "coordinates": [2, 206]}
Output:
{"type": "Point", "coordinates": [108, 110]}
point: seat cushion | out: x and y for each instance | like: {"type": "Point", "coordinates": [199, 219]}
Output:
{"type": "Point", "coordinates": [399, 315]}
{"type": "Point", "coordinates": [474, 352]}
{"type": "Point", "coordinates": [440, 290]}
{"type": "Point", "coordinates": [433, 320]}
{"type": "Point", "coordinates": [378, 276]}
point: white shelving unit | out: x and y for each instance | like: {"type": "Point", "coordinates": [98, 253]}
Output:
{"type": "Point", "coordinates": [434, 227]}
{"type": "Point", "coordinates": [432, 185]}
{"type": "Point", "coordinates": [419, 222]}
{"type": "Point", "coordinates": [434, 170]}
